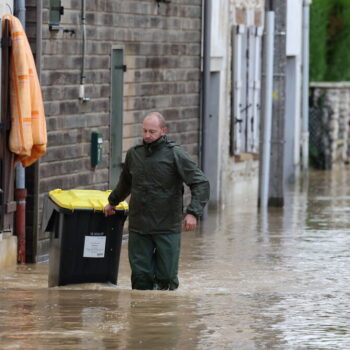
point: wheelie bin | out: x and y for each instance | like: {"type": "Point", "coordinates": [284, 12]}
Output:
{"type": "Point", "coordinates": [84, 244]}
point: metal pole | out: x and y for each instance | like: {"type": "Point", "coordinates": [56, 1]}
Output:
{"type": "Point", "coordinates": [20, 6]}
{"type": "Point", "coordinates": [32, 256]}
{"type": "Point", "coordinates": [305, 89]}
{"type": "Point", "coordinates": [21, 193]}
{"type": "Point", "coordinates": [267, 113]}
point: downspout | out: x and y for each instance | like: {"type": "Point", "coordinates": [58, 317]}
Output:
{"type": "Point", "coordinates": [305, 89]}
{"type": "Point", "coordinates": [205, 88]}
{"type": "Point", "coordinates": [206, 81]}
{"type": "Point", "coordinates": [21, 192]}
{"type": "Point", "coordinates": [267, 111]}
{"type": "Point", "coordinates": [82, 96]}
{"type": "Point", "coordinates": [36, 165]}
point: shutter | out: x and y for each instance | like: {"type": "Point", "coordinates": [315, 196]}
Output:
{"type": "Point", "coordinates": [257, 88]}
{"type": "Point", "coordinates": [244, 90]}
{"type": "Point", "coordinates": [249, 113]}
{"type": "Point", "coordinates": [236, 121]}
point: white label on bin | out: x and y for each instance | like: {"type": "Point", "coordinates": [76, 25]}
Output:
{"type": "Point", "coordinates": [94, 247]}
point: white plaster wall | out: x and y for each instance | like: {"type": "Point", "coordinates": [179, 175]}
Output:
{"type": "Point", "coordinates": [238, 181]}
{"type": "Point", "coordinates": [219, 25]}
{"type": "Point", "coordinates": [242, 183]}
{"type": "Point", "coordinates": [6, 7]}
{"type": "Point", "coordinates": [294, 27]}
{"type": "Point", "coordinates": [248, 3]}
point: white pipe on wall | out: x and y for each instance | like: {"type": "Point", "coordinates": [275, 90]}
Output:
{"type": "Point", "coordinates": [305, 88]}
{"type": "Point", "coordinates": [267, 113]}
{"type": "Point", "coordinates": [82, 96]}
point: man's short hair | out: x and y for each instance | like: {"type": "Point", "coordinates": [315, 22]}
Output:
{"type": "Point", "coordinates": [160, 118]}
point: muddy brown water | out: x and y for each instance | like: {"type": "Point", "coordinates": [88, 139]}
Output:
{"type": "Point", "coordinates": [249, 280]}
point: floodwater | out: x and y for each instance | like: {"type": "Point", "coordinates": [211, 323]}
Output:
{"type": "Point", "coordinates": [249, 280]}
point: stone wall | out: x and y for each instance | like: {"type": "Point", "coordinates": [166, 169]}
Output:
{"type": "Point", "coordinates": [162, 46]}
{"type": "Point", "coordinates": [249, 12]}
{"type": "Point", "coordinates": [329, 123]}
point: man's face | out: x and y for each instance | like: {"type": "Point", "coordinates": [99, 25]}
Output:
{"type": "Point", "coordinates": [152, 130]}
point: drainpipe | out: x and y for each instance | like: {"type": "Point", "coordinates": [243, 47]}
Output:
{"type": "Point", "coordinates": [305, 88]}
{"type": "Point", "coordinates": [32, 258]}
{"type": "Point", "coordinates": [21, 192]}
{"type": "Point", "coordinates": [82, 96]}
{"type": "Point", "coordinates": [205, 86]}
{"type": "Point", "coordinates": [267, 112]}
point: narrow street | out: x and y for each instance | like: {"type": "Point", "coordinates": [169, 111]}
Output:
{"type": "Point", "coordinates": [248, 280]}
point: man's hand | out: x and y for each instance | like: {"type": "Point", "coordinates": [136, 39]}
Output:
{"type": "Point", "coordinates": [108, 210]}
{"type": "Point", "coordinates": [190, 222]}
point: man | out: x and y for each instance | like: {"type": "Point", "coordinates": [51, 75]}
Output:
{"type": "Point", "coordinates": [154, 174]}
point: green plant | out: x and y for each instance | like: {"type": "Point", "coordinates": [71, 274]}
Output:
{"type": "Point", "coordinates": [318, 39]}
{"type": "Point", "coordinates": [330, 40]}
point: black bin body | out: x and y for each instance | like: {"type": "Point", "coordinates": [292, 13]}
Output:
{"type": "Point", "coordinates": [84, 245]}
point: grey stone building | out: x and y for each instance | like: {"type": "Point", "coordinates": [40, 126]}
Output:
{"type": "Point", "coordinates": [102, 66]}
{"type": "Point", "coordinates": [235, 68]}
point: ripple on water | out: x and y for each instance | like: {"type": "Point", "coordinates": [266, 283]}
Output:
{"type": "Point", "coordinates": [248, 280]}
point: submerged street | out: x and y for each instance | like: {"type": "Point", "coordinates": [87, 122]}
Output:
{"type": "Point", "coordinates": [248, 280]}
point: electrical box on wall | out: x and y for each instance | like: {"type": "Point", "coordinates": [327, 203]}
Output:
{"type": "Point", "coordinates": [56, 11]}
{"type": "Point", "coordinates": [96, 149]}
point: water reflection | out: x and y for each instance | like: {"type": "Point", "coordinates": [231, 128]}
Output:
{"type": "Point", "coordinates": [96, 319]}
{"type": "Point", "coordinates": [250, 279]}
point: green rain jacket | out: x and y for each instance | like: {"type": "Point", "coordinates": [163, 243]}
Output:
{"type": "Point", "coordinates": [154, 175]}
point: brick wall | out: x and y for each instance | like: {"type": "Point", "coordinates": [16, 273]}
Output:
{"type": "Point", "coordinates": [162, 51]}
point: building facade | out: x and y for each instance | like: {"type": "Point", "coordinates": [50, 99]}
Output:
{"type": "Point", "coordinates": [236, 49]}
{"type": "Point", "coordinates": [103, 65]}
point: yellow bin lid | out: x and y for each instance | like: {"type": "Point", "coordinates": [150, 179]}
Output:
{"type": "Point", "coordinates": [83, 199]}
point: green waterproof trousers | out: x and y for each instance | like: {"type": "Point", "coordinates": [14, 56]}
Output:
{"type": "Point", "coordinates": [154, 260]}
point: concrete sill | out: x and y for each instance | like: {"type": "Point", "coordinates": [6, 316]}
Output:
{"type": "Point", "coordinates": [244, 157]}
